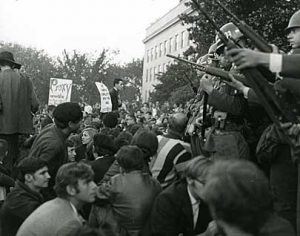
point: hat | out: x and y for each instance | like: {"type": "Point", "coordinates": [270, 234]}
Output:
{"type": "Point", "coordinates": [9, 57]}
{"type": "Point", "coordinates": [68, 111]}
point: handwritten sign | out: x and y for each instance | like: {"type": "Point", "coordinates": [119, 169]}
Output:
{"type": "Point", "coordinates": [106, 105]}
{"type": "Point", "coordinates": [59, 91]}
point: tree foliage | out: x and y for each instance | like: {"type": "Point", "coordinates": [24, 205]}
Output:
{"type": "Point", "coordinates": [178, 77]}
{"type": "Point", "coordinates": [82, 68]}
{"type": "Point", "coordinates": [268, 18]}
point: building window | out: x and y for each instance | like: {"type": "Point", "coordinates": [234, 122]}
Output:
{"type": "Point", "coordinates": [164, 68]}
{"type": "Point", "coordinates": [148, 55]}
{"type": "Point", "coordinates": [161, 48]}
{"type": "Point", "coordinates": [151, 54]}
{"type": "Point", "coordinates": [165, 47]}
{"type": "Point", "coordinates": [155, 73]}
{"type": "Point", "coordinates": [176, 42]}
{"type": "Point", "coordinates": [182, 39]}
{"type": "Point", "coordinates": [155, 52]}
{"type": "Point", "coordinates": [150, 75]}
{"type": "Point", "coordinates": [147, 75]}
{"type": "Point", "coordinates": [170, 44]}
{"type": "Point", "coordinates": [159, 69]}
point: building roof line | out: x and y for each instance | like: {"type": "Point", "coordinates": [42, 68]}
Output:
{"type": "Point", "coordinates": [167, 25]}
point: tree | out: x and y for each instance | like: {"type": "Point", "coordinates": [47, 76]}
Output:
{"type": "Point", "coordinates": [178, 77]}
{"type": "Point", "coordinates": [133, 72]}
{"type": "Point", "coordinates": [84, 70]}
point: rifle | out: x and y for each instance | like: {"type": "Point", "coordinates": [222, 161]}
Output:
{"type": "Point", "coordinates": [258, 41]}
{"type": "Point", "coordinates": [224, 75]}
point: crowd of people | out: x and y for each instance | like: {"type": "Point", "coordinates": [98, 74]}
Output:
{"type": "Point", "coordinates": [151, 170]}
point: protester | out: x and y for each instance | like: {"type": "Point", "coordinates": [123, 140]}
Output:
{"type": "Point", "coordinates": [25, 197]}
{"type": "Point", "coordinates": [180, 208]}
{"type": "Point", "coordinates": [240, 200]}
{"type": "Point", "coordinates": [85, 150]}
{"type": "Point", "coordinates": [74, 187]}
{"type": "Point", "coordinates": [115, 96]}
{"type": "Point", "coordinates": [130, 194]}
{"type": "Point", "coordinates": [18, 102]}
{"type": "Point", "coordinates": [173, 154]}
{"type": "Point", "coordinates": [50, 144]}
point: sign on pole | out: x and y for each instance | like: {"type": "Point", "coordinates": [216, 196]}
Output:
{"type": "Point", "coordinates": [60, 91]}
{"type": "Point", "coordinates": [106, 105]}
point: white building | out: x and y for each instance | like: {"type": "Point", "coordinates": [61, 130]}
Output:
{"type": "Point", "coordinates": [167, 35]}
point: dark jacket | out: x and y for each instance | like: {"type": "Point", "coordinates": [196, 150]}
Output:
{"type": "Point", "coordinates": [172, 213]}
{"type": "Point", "coordinates": [19, 204]}
{"type": "Point", "coordinates": [17, 103]}
{"type": "Point", "coordinates": [114, 96]}
{"type": "Point", "coordinates": [46, 121]}
{"type": "Point", "coordinates": [100, 167]}
{"type": "Point", "coordinates": [50, 145]}
{"type": "Point", "coordinates": [5, 180]}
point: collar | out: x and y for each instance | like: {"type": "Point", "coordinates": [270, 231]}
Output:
{"type": "Point", "coordinates": [73, 208]}
{"type": "Point", "coordinates": [173, 134]}
{"type": "Point", "coordinates": [99, 157]}
{"type": "Point", "coordinates": [193, 200]}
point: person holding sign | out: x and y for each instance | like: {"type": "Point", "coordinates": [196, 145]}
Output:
{"type": "Point", "coordinates": [115, 96]}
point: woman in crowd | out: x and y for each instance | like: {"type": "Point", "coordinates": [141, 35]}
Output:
{"type": "Point", "coordinates": [85, 150]}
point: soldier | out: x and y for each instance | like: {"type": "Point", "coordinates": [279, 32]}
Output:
{"type": "Point", "coordinates": [273, 147]}
{"type": "Point", "coordinates": [225, 140]}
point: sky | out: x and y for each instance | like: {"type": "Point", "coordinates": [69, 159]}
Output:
{"type": "Point", "coordinates": [84, 25]}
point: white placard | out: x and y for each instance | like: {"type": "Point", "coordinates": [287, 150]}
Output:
{"type": "Point", "coordinates": [59, 91]}
{"type": "Point", "coordinates": [106, 105]}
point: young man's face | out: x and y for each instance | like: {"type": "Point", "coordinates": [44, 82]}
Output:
{"type": "Point", "coordinates": [71, 154]}
{"type": "Point", "coordinates": [294, 37]}
{"type": "Point", "coordinates": [119, 85]}
{"type": "Point", "coordinates": [86, 191]}
{"type": "Point", "coordinates": [40, 178]}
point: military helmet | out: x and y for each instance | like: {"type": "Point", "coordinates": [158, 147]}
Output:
{"type": "Point", "coordinates": [294, 21]}
{"type": "Point", "coordinates": [230, 31]}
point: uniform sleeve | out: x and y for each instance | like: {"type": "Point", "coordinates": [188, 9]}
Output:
{"type": "Point", "coordinates": [228, 103]}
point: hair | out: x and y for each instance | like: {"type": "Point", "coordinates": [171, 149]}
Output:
{"type": "Point", "coordinates": [116, 81]}
{"type": "Point", "coordinates": [74, 138]}
{"type": "Point", "coordinates": [70, 143]}
{"type": "Point", "coordinates": [177, 122]}
{"type": "Point", "coordinates": [91, 131]}
{"type": "Point", "coordinates": [3, 148]}
{"type": "Point", "coordinates": [104, 145]}
{"type": "Point", "coordinates": [198, 167]}
{"type": "Point", "coordinates": [69, 174]}
{"type": "Point", "coordinates": [51, 108]}
{"type": "Point", "coordinates": [237, 193]}
{"type": "Point", "coordinates": [29, 165]}
{"type": "Point", "coordinates": [65, 113]}
{"type": "Point", "coordinates": [130, 158]}
{"type": "Point", "coordinates": [110, 119]}
{"type": "Point", "coordinates": [124, 138]}
{"type": "Point", "coordinates": [146, 141]}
